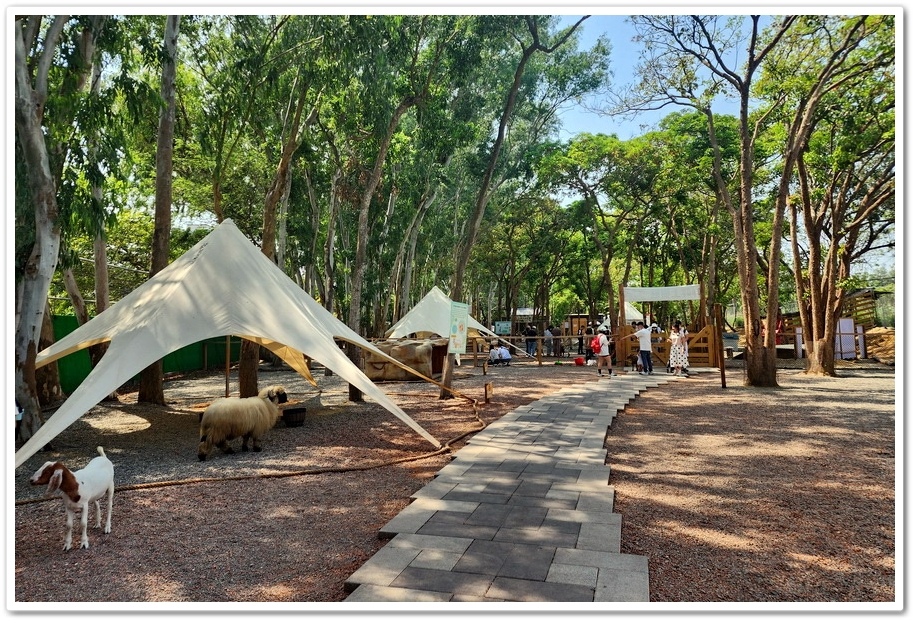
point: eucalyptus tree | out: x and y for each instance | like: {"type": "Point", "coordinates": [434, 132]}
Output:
{"type": "Point", "coordinates": [522, 250]}
{"type": "Point", "coordinates": [831, 86]}
{"type": "Point", "coordinates": [398, 64]}
{"type": "Point", "coordinates": [701, 223]}
{"type": "Point", "coordinates": [533, 37]}
{"type": "Point", "coordinates": [151, 378]}
{"type": "Point", "coordinates": [229, 57]}
{"type": "Point", "coordinates": [293, 81]}
{"type": "Point", "coordinates": [67, 144]}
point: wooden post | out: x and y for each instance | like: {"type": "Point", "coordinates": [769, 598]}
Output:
{"type": "Point", "coordinates": [487, 392]}
{"type": "Point", "coordinates": [717, 340]}
{"type": "Point", "coordinates": [228, 351]}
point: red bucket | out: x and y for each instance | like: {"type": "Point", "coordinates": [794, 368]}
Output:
{"type": "Point", "coordinates": [580, 361]}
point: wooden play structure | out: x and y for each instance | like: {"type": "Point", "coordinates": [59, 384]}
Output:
{"type": "Point", "coordinates": [704, 342]}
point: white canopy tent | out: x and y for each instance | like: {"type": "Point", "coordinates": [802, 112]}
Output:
{"type": "Point", "coordinates": [222, 286]}
{"type": "Point", "coordinates": [630, 313]}
{"type": "Point", "coordinates": [430, 317]}
{"type": "Point", "coordinates": [650, 295]}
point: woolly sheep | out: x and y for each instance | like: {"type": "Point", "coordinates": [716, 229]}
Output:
{"type": "Point", "coordinates": [248, 418]}
{"type": "Point", "coordinates": [79, 490]}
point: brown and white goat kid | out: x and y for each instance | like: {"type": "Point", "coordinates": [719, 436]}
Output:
{"type": "Point", "coordinates": [248, 418]}
{"type": "Point", "coordinates": [78, 490]}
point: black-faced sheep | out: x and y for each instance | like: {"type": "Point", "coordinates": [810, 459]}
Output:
{"type": "Point", "coordinates": [248, 418]}
{"type": "Point", "coordinates": [78, 490]}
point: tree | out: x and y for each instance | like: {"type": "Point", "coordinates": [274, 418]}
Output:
{"type": "Point", "coordinates": [688, 64]}
{"type": "Point", "coordinates": [151, 378]}
{"type": "Point", "coordinates": [531, 42]}
{"type": "Point", "coordinates": [35, 57]}
{"type": "Point", "coordinates": [299, 92]}
{"type": "Point", "coordinates": [831, 86]}
{"type": "Point", "coordinates": [405, 63]}
{"type": "Point", "coordinates": [616, 181]}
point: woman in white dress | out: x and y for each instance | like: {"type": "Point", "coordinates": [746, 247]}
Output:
{"type": "Point", "coordinates": [677, 360]}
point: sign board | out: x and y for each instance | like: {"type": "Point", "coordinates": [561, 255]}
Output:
{"type": "Point", "coordinates": [502, 327]}
{"type": "Point", "coordinates": [458, 328]}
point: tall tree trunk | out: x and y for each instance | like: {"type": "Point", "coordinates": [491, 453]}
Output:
{"type": "Point", "coordinates": [99, 250]}
{"type": "Point", "coordinates": [47, 378]}
{"type": "Point", "coordinates": [151, 379]}
{"type": "Point", "coordinates": [100, 269]}
{"type": "Point", "coordinates": [760, 363]}
{"type": "Point", "coordinates": [251, 352]}
{"type": "Point", "coordinates": [42, 261]}
{"type": "Point", "coordinates": [315, 284]}
{"type": "Point", "coordinates": [483, 194]}
{"type": "Point", "coordinates": [76, 297]}
{"type": "Point", "coordinates": [282, 228]}
{"type": "Point", "coordinates": [358, 271]}
{"type": "Point", "coordinates": [401, 276]}
{"type": "Point", "coordinates": [330, 243]}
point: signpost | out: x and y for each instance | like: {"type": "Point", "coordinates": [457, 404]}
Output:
{"type": "Point", "coordinates": [458, 334]}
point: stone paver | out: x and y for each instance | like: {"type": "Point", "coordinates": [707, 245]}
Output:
{"type": "Point", "coordinates": [524, 512]}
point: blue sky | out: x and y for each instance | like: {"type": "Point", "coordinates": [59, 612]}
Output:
{"type": "Point", "coordinates": [623, 57]}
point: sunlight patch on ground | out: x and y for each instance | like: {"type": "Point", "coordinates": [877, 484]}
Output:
{"type": "Point", "coordinates": [160, 588]}
{"type": "Point", "coordinates": [124, 423]}
{"type": "Point", "coordinates": [716, 538]}
{"type": "Point", "coordinates": [725, 445]}
{"type": "Point", "coordinates": [829, 564]}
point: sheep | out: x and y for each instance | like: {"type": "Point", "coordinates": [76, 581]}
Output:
{"type": "Point", "coordinates": [78, 489]}
{"type": "Point", "coordinates": [248, 418]}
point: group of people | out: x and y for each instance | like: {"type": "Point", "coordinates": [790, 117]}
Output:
{"type": "Point", "coordinates": [601, 350]}
{"type": "Point", "coordinates": [500, 355]}
{"type": "Point", "coordinates": [552, 342]}
{"type": "Point", "coordinates": [678, 355]}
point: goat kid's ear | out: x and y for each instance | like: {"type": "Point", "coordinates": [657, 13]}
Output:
{"type": "Point", "coordinates": [56, 478]}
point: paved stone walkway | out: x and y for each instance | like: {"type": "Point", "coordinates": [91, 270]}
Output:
{"type": "Point", "coordinates": [524, 512]}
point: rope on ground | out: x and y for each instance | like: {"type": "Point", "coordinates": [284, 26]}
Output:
{"type": "Point", "coordinates": [305, 472]}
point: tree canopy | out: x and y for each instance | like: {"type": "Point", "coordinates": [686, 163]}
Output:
{"type": "Point", "coordinates": [374, 156]}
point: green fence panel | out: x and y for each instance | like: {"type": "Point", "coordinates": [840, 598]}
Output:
{"type": "Point", "coordinates": [75, 367]}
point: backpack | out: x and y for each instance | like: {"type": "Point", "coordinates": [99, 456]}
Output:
{"type": "Point", "coordinates": [596, 344]}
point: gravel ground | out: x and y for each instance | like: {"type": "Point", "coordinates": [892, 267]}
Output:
{"type": "Point", "coordinates": [736, 495]}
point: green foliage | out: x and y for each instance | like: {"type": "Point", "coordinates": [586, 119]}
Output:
{"type": "Point", "coordinates": [561, 213]}
{"type": "Point", "coordinates": [128, 241]}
